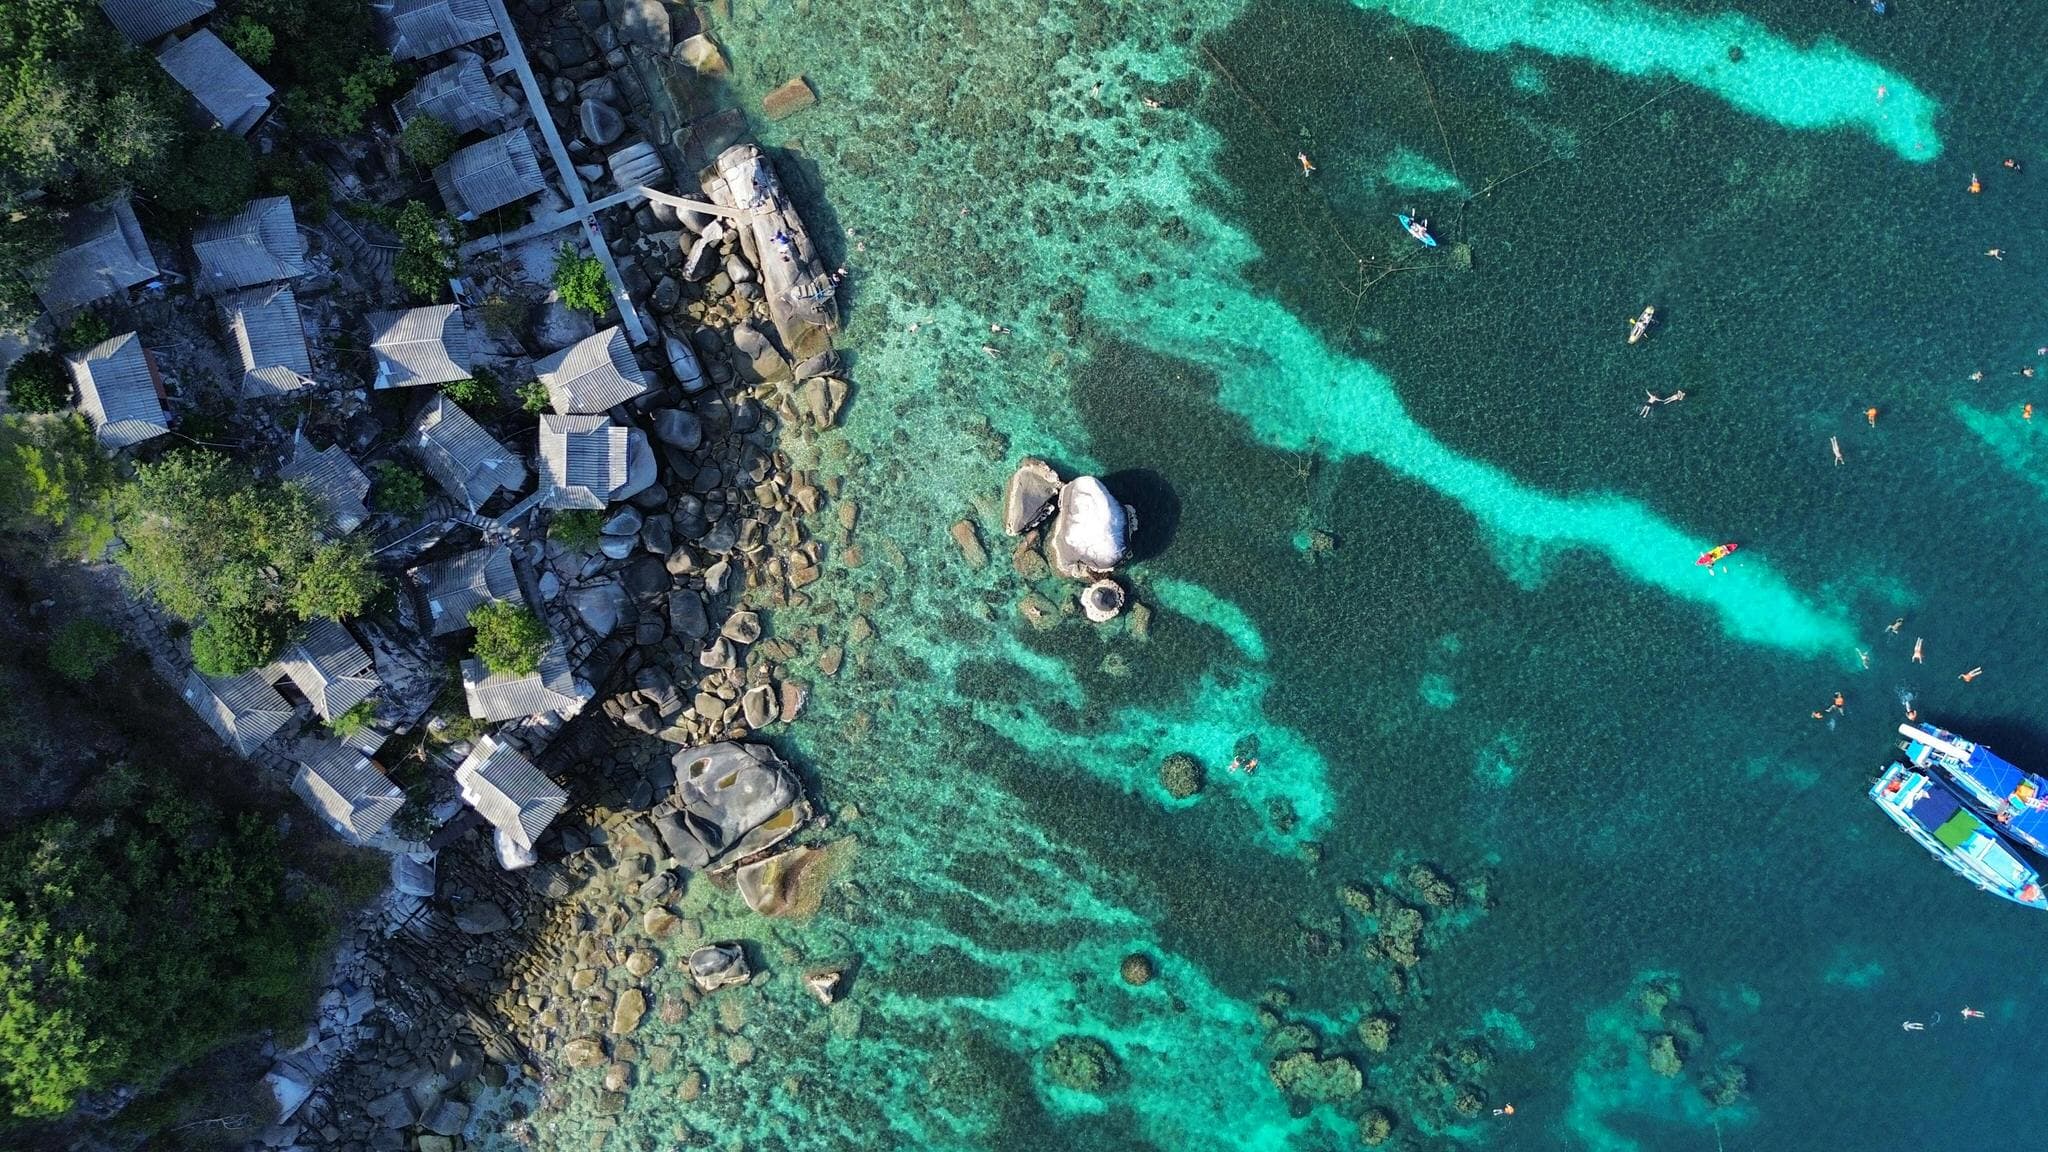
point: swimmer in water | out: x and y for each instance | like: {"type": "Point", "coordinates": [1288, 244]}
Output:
{"type": "Point", "coordinates": [1835, 446]}
{"type": "Point", "coordinates": [1895, 625]}
{"type": "Point", "coordinates": [2026, 411]}
{"type": "Point", "coordinates": [1978, 375]}
{"type": "Point", "coordinates": [1913, 1026]}
{"type": "Point", "coordinates": [1233, 764]}
{"type": "Point", "coordinates": [1919, 654]}
{"type": "Point", "coordinates": [1306, 167]}
{"type": "Point", "coordinates": [1864, 657]}
{"type": "Point", "coordinates": [1870, 414]}
{"type": "Point", "coordinates": [1995, 253]}
{"type": "Point", "coordinates": [1976, 185]}
{"type": "Point", "coordinates": [1251, 765]}
{"type": "Point", "coordinates": [1972, 1014]}
{"type": "Point", "coordinates": [998, 329]}
{"type": "Point", "coordinates": [1971, 675]}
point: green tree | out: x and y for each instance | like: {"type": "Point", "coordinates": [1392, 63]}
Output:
{"type": "Point", "coordinates": [55, 482]}
{"type": "Point", "coordinates": [426, 258]}
{"type": "Point", "coordinates": [354, 720]}
{"type": "Point", "coordinates": [533, 396]}
{"type": "Point", "coordinates": [581, 281]}
{"type": "Point", "coordinates": [38, 382]}
{"type": "Point", "coordinates": [46, 1057]}
{"type": "Point", "coordinates": [241, 558]}
{"type": "Point", "coordinates": [250, 40]}
{"type": "Point", "coordinates": [89, 330]}
{"type": "Point", "coordinates": [81, 646]}
{"type": "Point", "coordinates": [576, 528]}
{"type": "Point", "coordinates": [474, 394]}
{"type": "Point", "coordinates": [230, 641]}
{"type": "Point", "coordinates": [509, 638]}
{"type": "Point", "coordinates": [28, 236]}
{"type": "Point", "coordinates": [338, 582]}
{"type": "Point", "coordinates": [139, 930]}
{"type": "Point", "coordinates": [397, 489]}
{"type": "Point", "coordinates": [213, 174]}
{"type": "Point", "coordinates": [426, 141]}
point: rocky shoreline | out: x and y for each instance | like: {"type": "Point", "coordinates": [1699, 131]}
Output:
{"type": "Point", "coordinates": [465, 1004]}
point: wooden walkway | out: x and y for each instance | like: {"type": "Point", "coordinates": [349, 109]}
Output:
{"type": "Point", "coordinates": [565, 171]}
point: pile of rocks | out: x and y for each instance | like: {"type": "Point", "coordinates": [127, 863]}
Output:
{"type": "Point", "coordinates": [1076, 525]}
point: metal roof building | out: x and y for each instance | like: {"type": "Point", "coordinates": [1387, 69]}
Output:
{"type": "Point", "coordinates": [459, 95]}
{"type": "Point", "coordinates": [271, 340]}
{"type": "Point", "coordinates": [104, 252]}
{"type": "Point", "coordinates": [329, 666]}
{"type": "Point", "coordinates": [453, 588]}
{"type": "Point", "coordinates": [258, 245]}
{"type": "Point", "coordinates": [467, 461]}
{"type": "Point", "coordinates": [583, 460]}
{"type": "Point", "coordinates": [120, 392]}
{"type": "Point", "coordinates": [489, 174]}
{"type": "Point", "coordinates": [418, 28]}
{"type": "Point", "coordinates": [224, 85]}
{"type": "Point", "coordinates": [333, 480]}
{"type": "Point", "coordinates": [594, 374]}
{"type": "Point", "coordinates": [420, 346]}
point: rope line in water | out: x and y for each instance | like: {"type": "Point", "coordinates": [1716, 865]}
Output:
{"type": "Point", "coordinates": [1335, 222]}
{"type": "Point", "coordinates": [1595, 134]}
{"type": "Point", "coordinates": [1429, 92]}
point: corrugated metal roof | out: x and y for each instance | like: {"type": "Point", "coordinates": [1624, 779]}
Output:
{"type": "Point", "coordinates": [582, 459]}
{"type": "Point", "coordinates": [104, 252]}
{"type": "Point", "coordinates": [420, 346]}
{"type": "Point", "coordinates": [425, 27]}
{"type": "Point", "coordinates": [117, 391]}
{"type": "Point", "coordinates": [223, 83]}
{"type": "Point", "coordinates": [454, 588]}
{"type": "Point", "coordinates": [516, 797]}
{"type": "Point", "coordinates": [347, 789]}
{"type": "Point", "coordinates": [245, 710]}
{"type": "Point", "coordinates": [333, 479]}
{"type": "Point", "coordinates": [593, 374]}
{"type": "Point", "coordinates": [271, 340]}
{"type": "Point", "coordinates": [258, 245]}
{"type": "Point", "coordinates": [459, 95]}
{"type": "Point", "coordinates": [466, 460]}
{"type": "Point", "coordinates": [489, 174]}
{"type": "Point", "coordinates": [142, 21]}
{"type": "Point", "coordinates": [549, 688]}
{"type": "Point", "coordinates": [329, 666]}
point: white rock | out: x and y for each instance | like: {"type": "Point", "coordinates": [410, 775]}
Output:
{"type": "Point", "coordinates": [1088, 535]}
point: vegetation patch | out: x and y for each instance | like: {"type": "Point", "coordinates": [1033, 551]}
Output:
{"type": "Point", "coordinates": [510, 639]}
{"type": "Point", "coordinates": [582, 282]}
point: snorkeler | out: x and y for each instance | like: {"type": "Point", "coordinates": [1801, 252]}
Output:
{"type": "Point", "coordinates": [1835, 446]}
{"type": "Point", "coordinates": [1976, 185]}
{"type": "Point", "coordinates": [1913, 1026]}
{"type": "Point", "coordinates": [1918, 656]}
{"type": "Point", "coordinates": [1863, 656]}
{"type": "Point", "coordinates": [1978, 375]}
{"type": "Point", "coordinates": [1306, 167]}
{"type": "Point", "coordinates": [1837, 705]}
{"type": "Point", "coordinates": [1972, 1014]}
{"type": "Point", "coordinates": [1870, 414]}
{"type": "Point", "coordinates": [2011, 163]}
{"type": "Point", "coordinates": [1972, 674]}
{"type": "Point", "coordinates": [1895, 625]}
{"type": "Point", "coordinates": [2026, 411]}
{"type": "Point", "coordinates": [1996, 254]}
{"type": "Point", "coordinates": [1251, 765]}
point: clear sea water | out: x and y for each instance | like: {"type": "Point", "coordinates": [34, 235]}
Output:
{"type": "Point", "coordinates": [1508, 666]}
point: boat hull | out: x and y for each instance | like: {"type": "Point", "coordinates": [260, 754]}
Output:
{"type": "Point", "coordinates": [1931, 810]}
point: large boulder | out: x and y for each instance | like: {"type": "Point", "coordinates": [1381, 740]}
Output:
{"type": "Point", "coordinates": [717, 965]}
{"type": "Point", "coordinates": [682, 361]}
{"type": "Point", "coordinates": [599, 606]}
{"type": "Point", "coordinates": [481, 917]}
{"type": "Point", "coordinates": [601, 123]}
{"type": "Point", "coordinates": [643, 22]}
{"type": "Point", "coordinates": [678, 429]}
{"type": "Point", "coordinates": [1089, 533]}
{"type": "Point", "coordinates": [730, 801]}
{"type": "Point", "coordinates": [1031, 495]}
{"type": "Point", "coordinates": [764, 884]}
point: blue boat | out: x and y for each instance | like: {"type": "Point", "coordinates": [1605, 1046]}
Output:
{"type": "Point", "coordinates": [1931, 810]}
{"type": "Point", "coordinates": [2013, 799]}
{"type": "Point", "coordinates": [1416, 228]}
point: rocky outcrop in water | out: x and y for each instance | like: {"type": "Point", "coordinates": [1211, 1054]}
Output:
{"type": "Point", "coordinates": [1090, 531]}
{"type": "Point", "coordinates": [1031, 495]}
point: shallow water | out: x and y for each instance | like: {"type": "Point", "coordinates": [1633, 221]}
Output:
{"type": "Point", "coordinates": [1508, 666]}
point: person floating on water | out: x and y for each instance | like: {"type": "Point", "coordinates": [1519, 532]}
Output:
{"type": "Point", "coordinates": [2027, 371]}
{"type": "Point", "coordinates": [1914, 1026]}
{"type": "Point", "coordinates": [1895, 625]}
{"type": "Point", "coordinates": [1835, 445]}
{"type": "Point", "coordinates": [1306, 167]}
{"type": "Point", "coordinates": [1863, 655]}
{"type": "Point", "coordinates": [1504, 1110]}
{"type": "Point", "coordinates": [1997, 254]}
{"type": "Point", "coordinates": [1149, 102]}
{"type": "Point", "coordinates": [2026, 411]}
{"type": "Point", "coordinates": [1976, 185]}
{"type": "Point", "coordinates": [1972, 674]}
{"type": "Point", "coordinates": [1977, 376]}
{"type": "Point", "coordinates": [1919, 655]}
{"type": "Point", "coordinates": [1837, 705]}
{"type": "Point", "coordinates": [1870, 414]}
{"type": "Point", "coordinates": [1972, 1013]}
{"type": "Point", "coordinates": [999, 330]}
{"type": "Point", "coordinates": [2011, 163]}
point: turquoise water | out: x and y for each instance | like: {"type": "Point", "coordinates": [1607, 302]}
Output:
{"type": "Point", "coordinates": [1508, 666]}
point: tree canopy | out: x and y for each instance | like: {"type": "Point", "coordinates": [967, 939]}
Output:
{"type": "Point", "coordinates": [242, 559]}
{"type": "Point", "coordinates": [139, 929]}
{"type": "Point", "coordinates": [509, 638]}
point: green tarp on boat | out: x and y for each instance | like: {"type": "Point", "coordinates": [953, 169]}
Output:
{"type": "Point", "coordinates": [1958, 830]}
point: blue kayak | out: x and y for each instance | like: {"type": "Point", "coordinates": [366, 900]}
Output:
{"type": "Point", "coordinates": [1416, 228]}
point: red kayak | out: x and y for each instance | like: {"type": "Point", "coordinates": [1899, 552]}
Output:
{"type": "Point", "coordinates": [1715, 555]}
